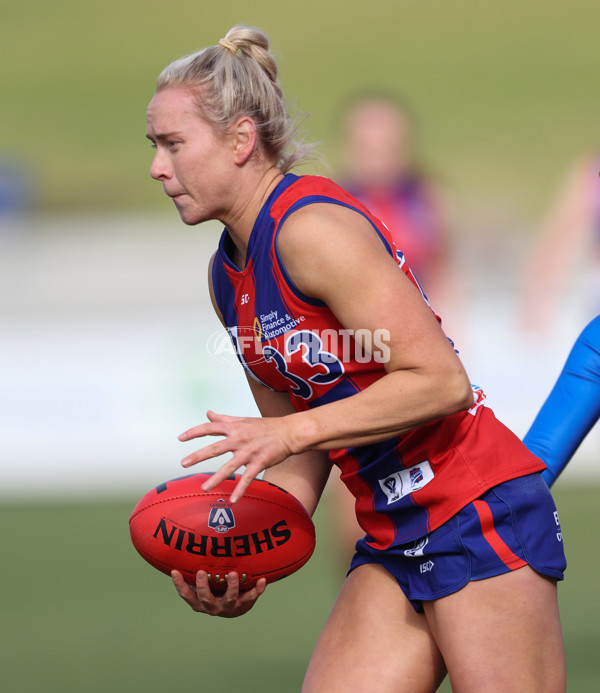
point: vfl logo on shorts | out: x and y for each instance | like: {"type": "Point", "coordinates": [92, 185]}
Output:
{"type": "Point", "coordinates": [406, 481]}
{"type": "Point", "coordinates": [559, 531]}
{"type": "Point", "coordinates": [221, 517]}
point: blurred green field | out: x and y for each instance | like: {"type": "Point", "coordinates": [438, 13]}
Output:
{"type": "Point", "coordinates": [506, 93]}
{"type": "Point", "coordinates": [82, 612]}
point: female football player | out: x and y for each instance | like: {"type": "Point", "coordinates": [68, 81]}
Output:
{"type": "Point", "coordinates": [349, 366]}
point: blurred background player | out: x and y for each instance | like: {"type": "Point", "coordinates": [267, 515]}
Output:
{"type": "Point", "coordinates": [379, 163]}
{"type": "Point", "coordinates": [571, 227]}
{"type": "Point", "coordinates": [572, 407]}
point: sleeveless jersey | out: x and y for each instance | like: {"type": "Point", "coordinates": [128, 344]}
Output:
{"type": "Point", "coordinates": [405, 486]}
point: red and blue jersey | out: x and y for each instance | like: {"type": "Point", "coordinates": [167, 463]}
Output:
{"type": "Point", "coordinates": [405, 486]}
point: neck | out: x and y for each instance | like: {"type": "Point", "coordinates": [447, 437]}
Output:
{"type": "Point", "coordinates": [241, 223]}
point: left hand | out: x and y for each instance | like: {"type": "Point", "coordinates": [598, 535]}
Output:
{"type": "Point", "coordinates": [256, 443]}
{"type": "Point", "coordinates": [229, 605]}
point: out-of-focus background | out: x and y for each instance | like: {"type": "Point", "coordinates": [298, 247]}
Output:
{"type": "Point", "coordinates": [107, 338]}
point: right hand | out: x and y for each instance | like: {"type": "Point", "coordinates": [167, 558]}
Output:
{"type": "Point", "coordinates": [228, 605]}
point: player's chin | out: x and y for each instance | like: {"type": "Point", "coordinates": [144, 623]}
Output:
{"type": "Point", "coordinates": [189, 219]}
{"type": "Point", "coordinates": [189, 215]}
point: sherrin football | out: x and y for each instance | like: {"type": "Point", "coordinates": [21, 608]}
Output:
{"type": "Point", "coordinates": [267, 533]}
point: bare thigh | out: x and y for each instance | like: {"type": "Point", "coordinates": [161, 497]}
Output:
{"type": "Point", "coordinates": [344, 515]}
{"type": "Point", "coordinates": [374, 641]}
{"type": "Point", "coordinates": [501, 634]}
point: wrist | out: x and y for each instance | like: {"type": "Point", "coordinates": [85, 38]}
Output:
{"type": "Point", "coordinates": [303, 432]}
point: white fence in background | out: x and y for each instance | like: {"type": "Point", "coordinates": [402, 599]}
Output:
{"type": "Point", "coordinates": [104, 326]}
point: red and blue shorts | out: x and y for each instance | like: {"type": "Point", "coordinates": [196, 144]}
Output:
{"type": "Point", "coordinates": [511, 525]}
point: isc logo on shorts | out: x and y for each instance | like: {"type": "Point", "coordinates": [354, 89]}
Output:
{"type": "Point", "coordinates": [400, 484]}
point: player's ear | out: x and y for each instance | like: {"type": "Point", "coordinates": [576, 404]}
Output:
{"type": "Point", "coordinates": [244, 139]}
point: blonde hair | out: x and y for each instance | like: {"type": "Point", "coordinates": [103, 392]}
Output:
{"type": "Point", "coordinates": [238, 77]}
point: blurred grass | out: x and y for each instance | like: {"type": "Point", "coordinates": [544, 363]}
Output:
{"type": "Point", "coordinates": [81, 611]}
{"type": "Point", "coordinates": [505, 93]}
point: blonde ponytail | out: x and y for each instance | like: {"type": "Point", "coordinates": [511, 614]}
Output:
{"type": "Point", "coordinates": [239, 77]}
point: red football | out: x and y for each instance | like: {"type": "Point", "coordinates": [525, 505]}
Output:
{"type": "Point", "coordinates": [267, 533]}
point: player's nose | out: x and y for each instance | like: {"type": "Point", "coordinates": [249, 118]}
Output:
{"type": "Point", "coordinates": [160, 169]}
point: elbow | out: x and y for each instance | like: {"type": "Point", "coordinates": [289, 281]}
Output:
{"type": "Point", "coordinates": [458, 394]}
{"type": "Point", "coordinates": [467, 397]}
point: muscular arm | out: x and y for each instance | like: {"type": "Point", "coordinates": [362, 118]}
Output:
{"type": "Point", "coordinates": [361, 283]}
{"type": "Point", "coordinates": [572, 407]}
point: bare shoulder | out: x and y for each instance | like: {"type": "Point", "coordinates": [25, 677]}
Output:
{"type": "Point", "coordinates": [323, 223]}
{"type": "Point", "coordinates": [322, 240]}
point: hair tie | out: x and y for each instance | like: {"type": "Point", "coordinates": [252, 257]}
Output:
{"type": "Point", "coordinates": [228, 45]}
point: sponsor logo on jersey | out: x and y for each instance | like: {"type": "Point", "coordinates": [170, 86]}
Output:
{"type": "Point", "coordinates": [273, 324]}
{"type": "Point", "coordinates": [400, 484]}
{"type": "Point", "coordinates": [257, 328]}
{"type": "Point", "coordinates": [221, 517]}
{"type": "Point", "coordinates": [417, 548]}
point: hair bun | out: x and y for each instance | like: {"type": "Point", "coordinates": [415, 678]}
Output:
{"type": "Point", "coordinates": [234, 78]}
{"type": "Point", "coordinates": [228, 45]}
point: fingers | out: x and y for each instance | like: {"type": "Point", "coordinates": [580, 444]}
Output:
{"type": "Point", "coordinates": [215, 418]}
{"type": "Point", "coordinates": [242, 486]}
{"type": "Point", "coordinates": [232, 593]}
{"type": "Point", "coordinates": [183, 589]}
{"type": "Point", "coordinates": [213, 428]}
{"type": "Point", "coordinates": [228, 605]}
{"type": "Point", "coordinates": [256, 444]}
{"type": "Point", "coordinates": [260, 587]}
{"type": "Point", "coordinates": [204, 594]}
{"type": "Point", "coordinates": [218, 427]}
{"type": "Point", "coordinates": [213, 450]}
{"type": "Point", "coordinates": [209, 429]}
{"type": "Point", "coordinates": [236, 603]}
{"type": "Point", "coordinates": [227, 470]}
